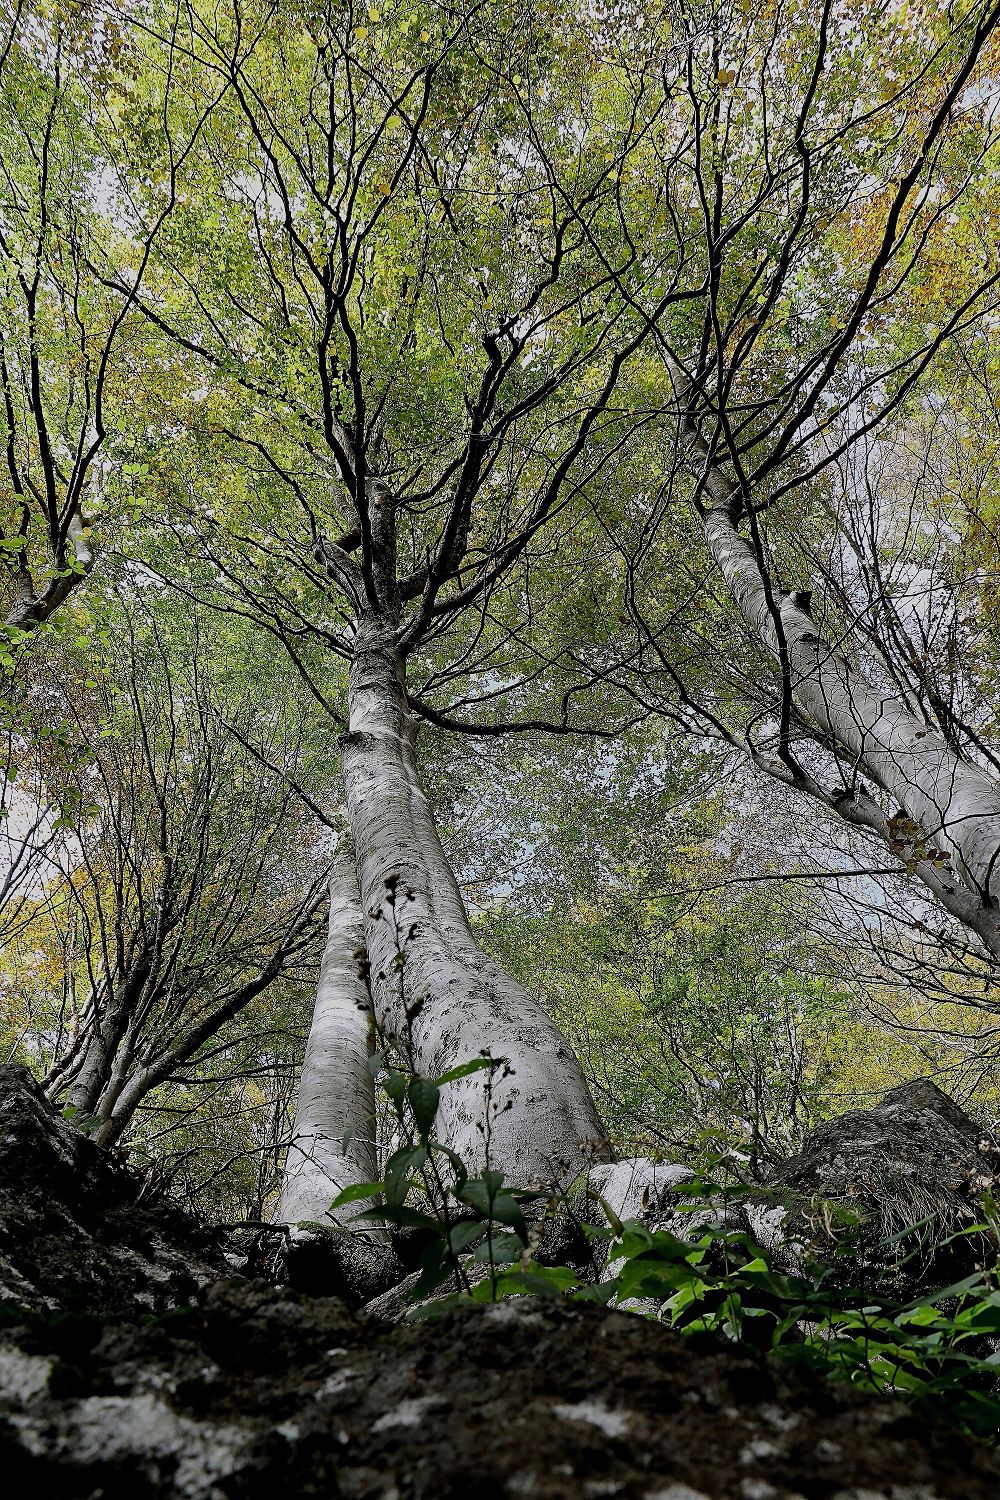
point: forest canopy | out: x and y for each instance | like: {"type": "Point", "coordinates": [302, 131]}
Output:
{"type": "Point", "coordinates": [498, 565]}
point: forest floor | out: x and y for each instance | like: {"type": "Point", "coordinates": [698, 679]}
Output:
{"type": "Point", "coordinates": [135, 1363]}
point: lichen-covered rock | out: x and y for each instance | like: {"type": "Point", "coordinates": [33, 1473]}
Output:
{"type": "Point", "coordinates": [261, 1392]}
{"type": "Point", "coordinates": [915, 1159]}
{"type": "Point", "coordinates": [127, 1377]}
{"type": "Point", "coordinates": [78, 1230]}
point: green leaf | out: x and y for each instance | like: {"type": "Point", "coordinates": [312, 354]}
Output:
{"type": "Point", "coordinates": [540, 1281]}
{"type": "Point", "coordinates": [457, 1164]}
{"type": "Point", "coordinates": [397, 1172]}
{"type": "Point", "coordinates": [359, 1190]}
{"type": "Point", "coordinates": [501, 1249]}
{"type": "Point", "coordinates": [425, 1097]}
{"type": "Point", "coordinates": [402, 1216]}
{"type": "Point", "coordinates": [395, 1087]}
{"type": "Point", "coordinates": [464, 1069]}
{"type": "Point", "coordinates": [485, 1196]}
{"type": "Point", "coordinates": [461, 1236]}
{"type": "Point", "coordinates": [434, 1270]}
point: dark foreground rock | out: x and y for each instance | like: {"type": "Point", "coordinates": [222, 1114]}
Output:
{"type": "Point", "coordinates": [80, 1231]}
{"type": "Point", "coordinates": [77, 1230]}
{"type": "Point", "coordinates": [130, 1371]}
{"type": "Point", "coordinates": [260, 1392]}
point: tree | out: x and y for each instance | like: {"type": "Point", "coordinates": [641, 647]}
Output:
{"type": "Point", "coordinates": [822, 214]}
{"type": "Point", "coordinates": [333, 1144]}
{"type": "Point", "coordinates": [407, 302]}
{"type": "Point", "coordinates": [177, 884]}
{"type": "Point", "coordinates": [456, 309]}
{"type": "Point", "coordinates": [75, 247]}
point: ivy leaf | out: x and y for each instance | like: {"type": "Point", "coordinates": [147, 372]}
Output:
{"type": "Point", "coordinates": [464, 1069]}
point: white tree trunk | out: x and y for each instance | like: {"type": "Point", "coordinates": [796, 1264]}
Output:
{"type": "Point", "coordinates": [954, 803]}
{"type": "Point", "coordinates": [333, 1144]}
{"type": "Point", "coordinates": [446, 1003]}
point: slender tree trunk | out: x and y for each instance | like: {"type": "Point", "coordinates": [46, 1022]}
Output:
{"type": "Point", "coordinates": [954, 803]}
{"type": "Point", "coordinates": [333, 1145]}
{"type": "Point", "coordinates": [97, 1065]}
{"type": "Point", "coordinates": [436, 994]}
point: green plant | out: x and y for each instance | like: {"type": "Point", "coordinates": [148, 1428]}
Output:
{"type": "Point", "coordinates": [939, 1351]}
{"type": "Point", "coordinates": [475, 1226]}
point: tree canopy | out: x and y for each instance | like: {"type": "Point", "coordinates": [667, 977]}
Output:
{"type": "Point", "coordinates": [551, 456]}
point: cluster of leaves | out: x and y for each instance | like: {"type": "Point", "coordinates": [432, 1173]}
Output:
{"type": "Point", "coordinates": [939, 1351]}
{"type": "Point", "coordinates": [704, 1020]}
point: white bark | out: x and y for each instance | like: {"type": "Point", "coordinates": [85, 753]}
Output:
{"type": "Point", "coordinates": [449, 1003]}
{"type": "Point", "coordinates": [333, 1144]}
{"type": "Point", "coordinates": [954, 803]}
{"type": "Point", "coordinates": [636, 1188]}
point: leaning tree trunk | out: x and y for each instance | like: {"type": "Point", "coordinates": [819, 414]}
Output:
{"type": "Point", "coordinates": [436, 994]}
{"type": "Point", "coordinates": [954, 803]}
{"type": "Point", "coordinates": [333, 1145]}
{"type": "Point", "coordinates": [99, 1057]}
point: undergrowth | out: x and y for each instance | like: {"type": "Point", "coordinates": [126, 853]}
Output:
{"type": "Point", "coordinates": [939, 1351]}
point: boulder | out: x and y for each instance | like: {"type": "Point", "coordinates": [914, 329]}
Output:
{"type": "Point", "coordinates": [259, 1391]}
{"type": "Point", "coordinates": [78, 1230]}
{"type": "Point", "coordinates": [914, 1169]}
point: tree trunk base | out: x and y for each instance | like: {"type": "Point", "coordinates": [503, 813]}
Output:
{"type": "Point", "coordinates": [348, 1264]}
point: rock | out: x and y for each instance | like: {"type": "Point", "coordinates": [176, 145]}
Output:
{"type": "Point", "coordinates": [637, 1188]}
{"type": "Point", "coordinates": [78, 1230]}
{"type": "Point", "coordinates": [915, 1159]}
{"type": "Point", "coordinates": [127, 1376]}
{"type": "Point", "coordinates": [260, 1391]}
{"type": "Point", "coordinates": [346, 1263]}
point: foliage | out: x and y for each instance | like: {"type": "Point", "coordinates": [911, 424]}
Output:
{"type": "Point", "coordinates": [705, 1021]}
{"type": "Point", "coordinates": [427, 269]}
{"type": "Point", "coordinates": [939, 1351]}
{"type": "Point", "coordinates": [475, 1226]}
{"type": "Point", "coordinates": [169, 875]}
